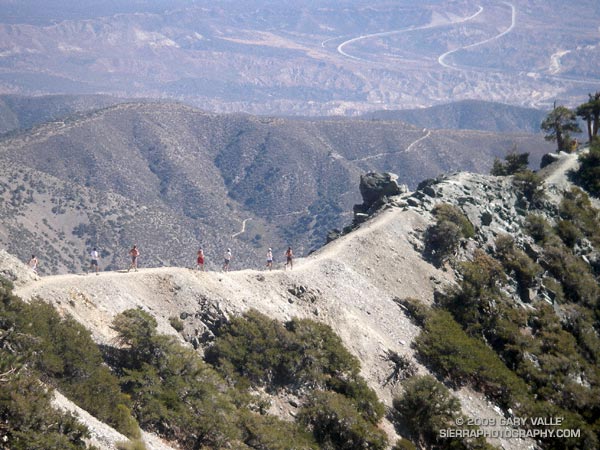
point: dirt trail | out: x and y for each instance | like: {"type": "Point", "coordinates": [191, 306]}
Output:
{"type": "Point", "coordinates": [350, 284]}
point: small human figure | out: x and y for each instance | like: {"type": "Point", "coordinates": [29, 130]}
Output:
{"type": "Point", "coordinates": [94, 263]}
{"type": "Point", "coordinates": [227, 260]}
{"type": "Point", "coordinates": [289, 258]}
{"type": "Point", "coordinates": [200, 260]}
{"type": "Point", "coordinates": [33, 264]}
{"type": "Point", "coordinates": [134, 253]}
{"type": "Point", "coordinates": [269, 259]}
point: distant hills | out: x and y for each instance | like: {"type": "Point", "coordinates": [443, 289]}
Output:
{"type": "Point", "coordinates": [469, 115]}
{"type": "Point", "coordinates": [21, 112]}
{"type": "Point", "coordinates": [171, 178]}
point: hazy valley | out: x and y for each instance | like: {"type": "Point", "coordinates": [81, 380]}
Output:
{"type": "Point", "coordinates": [303, 58]}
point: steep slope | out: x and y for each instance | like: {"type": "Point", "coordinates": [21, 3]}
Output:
{"type": "Point", "coordinates": [194, 179]}
{"type": "Point", "coordinates": [353, 284]}
{"type": "Point", "coordinates": [350, 284]}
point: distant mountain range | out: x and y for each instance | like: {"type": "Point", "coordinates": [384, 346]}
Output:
{"type": "Point", "coordinates": [21, 112]}
{"type": "Point", "coordinates": [469, 115]}
{"type": "Point", "coordinates": [171, 178]}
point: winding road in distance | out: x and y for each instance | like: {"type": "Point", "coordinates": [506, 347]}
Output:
{"type": "Point", "coordinates": [485, 41]}
{"type": "Point", "coordinates": [340, 48]}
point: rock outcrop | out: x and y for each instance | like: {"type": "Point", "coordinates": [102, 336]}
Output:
{"type": "Point", "coordinates": [376, 189]}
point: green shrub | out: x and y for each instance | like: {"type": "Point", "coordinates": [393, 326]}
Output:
{"type": "Point", "coordinates": [538, 228]}
{"type": "Point", "coordinates": [530, 185]}
{"type": "Point", "coordinates": [269, 432]}
{"type": "Point", "coordinates": [131, 445]}
{"type": "Point", "coordinates": [573, 273]}
{"type": "Point", "coordinates": [174, 392]}
{"type": "Point", "coordinates": [441, 241]}
{"type": "Point", "coordinates": [180, 397]}
{"type": "Point", "coordinates": [514, 162]}
{"type": "Point", "coordinates": [404, 444]}
{"type": "Point", "coordinates": [336, 423]}
{"type": "Point", "coordinates": [472, 303]}
{"type": "Point", "coordinates": [576, 208]}
{"type": "Point", "coordinates": [446, 348]}
{"type": "Point", "coordinates": [125, 423]}
{"type": "Point", "coordinates": [176, 323]}
{"type": "Point", "coordinates": [554, 289]}
{"type": "Point", "coordinates": [416, 310]}
{"type": "Point", "coordinates": [517, 263]}
{"type": "Point", "coordinates": [27, 419]}
{"type": "Point", "coordinates": [302, 354]}
{"type": "Point", "coordinates": [568, 232]}
{"type": "Point", "coordinates": [465, 360]}
{"type": "Point", "coordinates": [62, 352]}
{"type": "Point", "coordinates": [588, 174]}
{"type": "Point", "coordinates": [136, 329]}
{"type": "Point", "coordinates": [426, 407]}
{"type": "Point", "coordinates": [442, 238]}
{"type": "Point", "coordinates": [250, 347]}
{"type": "Point", "coordinates": [450, 213]}
{"type": "Point", "coordinates": [579, 321]}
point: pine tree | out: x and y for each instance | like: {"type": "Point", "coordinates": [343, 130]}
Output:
{"type": "Point", "coordinates": [558, 125]}
{"type": "Point", "coordinates": [590, 112]}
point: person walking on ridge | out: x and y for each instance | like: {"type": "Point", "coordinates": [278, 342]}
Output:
{"type": "Point", "coordinates": [134, 253]}
{"type": "Point", "coordinates": [226, 260]}
{"type": "Point", "coordinates": [200, 260]}
{"type": "Point", "coordinates": [33, 264]}
{"type": "Point", "coordinates": [289, 258]}
{"type": "Point", "coordinates": [269, 259]}
{"type": "Point", "coordinates": [94, 263]}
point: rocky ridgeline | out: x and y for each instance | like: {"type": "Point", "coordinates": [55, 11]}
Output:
{"type": "Point", "coordinates": [494, 205]}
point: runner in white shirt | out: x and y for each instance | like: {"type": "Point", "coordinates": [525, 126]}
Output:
{"type": "Point", "coordinates": [33, 264]}
{"type": "Point", "coordinates": [227, 260]}
{"type": "Point", "coordinates": [94, 255]}
{"type": "Point", "coordinates": [270, 259]}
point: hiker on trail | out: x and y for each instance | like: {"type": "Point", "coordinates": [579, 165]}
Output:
{"type": "Point", "coordinates": [134, 253]}
{"type": "Point", "coordinates": [200, 260]}
{"type": "Point", "coordinates": [227, 260]}
{"type": "Point", "coordinates": [289, 258]}
{"type": "Point", "coordinates": [270, 259]}
{"type": "Point", "coordinates": [33, 264]}
{"type": "Point", "coordinates": [94, 255]}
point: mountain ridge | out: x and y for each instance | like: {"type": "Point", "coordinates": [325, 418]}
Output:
{"type": "Point", "coordinates": [212, 172]}
{"type": "Point", "coordinates": [469, 115]}
{"type": "Point", "coordinates": [356, 284]}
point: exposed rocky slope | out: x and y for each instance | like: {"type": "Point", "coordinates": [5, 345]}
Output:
{"type": "Point", "coordinates": [171, 178]}
{"type": "Point", "coordinates": [350, 284]}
